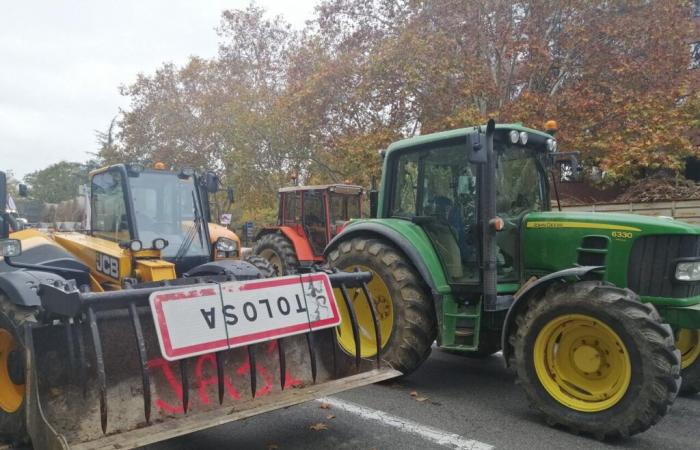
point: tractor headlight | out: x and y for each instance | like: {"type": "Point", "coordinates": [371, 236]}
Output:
{"type": "Point", "coordinates": [135, 245]}
{"type": "Point", "coordinates": [523, 137]}
{"type": "Point", "coordinates": [10, 247]}
{"type": "Point", "coordinates": [551, 145]}
{"type": "Point", "coordinates": [688, 271]}
{"type": "Point", "coordinates": [226, 248]}
{"type": "Point", "coordinates": [514, 136]}
{"type": "Point", "coordinates": [159, 243]}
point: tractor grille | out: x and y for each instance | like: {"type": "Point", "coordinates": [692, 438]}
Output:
{"type": "Point", "coordinates": [652, 265]}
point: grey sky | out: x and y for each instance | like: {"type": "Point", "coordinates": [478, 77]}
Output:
{"type": "Point", "coordinates": [62, 62]}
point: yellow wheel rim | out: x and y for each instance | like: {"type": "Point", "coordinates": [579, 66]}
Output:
{"type": "Point", "coordinates": [11, 394]}
{"type": "Point", "coordinates": [688, 342]}
{"type": "Point", "coordinates": [582, 363]}
{"type": "Point", "coordinates": [382, 305]}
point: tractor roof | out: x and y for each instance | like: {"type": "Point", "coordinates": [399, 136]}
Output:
{"type": "Point", "coordinates": [460, 132]}
{"type": "Point", "coordinates": [339, 188]}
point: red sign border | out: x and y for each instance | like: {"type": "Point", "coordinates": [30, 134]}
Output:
{"type": "Point", "coordinates": [170, 353]}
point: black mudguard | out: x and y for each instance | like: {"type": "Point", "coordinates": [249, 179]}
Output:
{"type": "Point", "coordinates": [21, 286]}
{"type": "Point", "coordinates": [522, 299]}
{"type": "Point", "coordinates": [240, 270]}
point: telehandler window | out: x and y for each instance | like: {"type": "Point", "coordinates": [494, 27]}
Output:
{"type": "Point", "coordinates": [109, 220]}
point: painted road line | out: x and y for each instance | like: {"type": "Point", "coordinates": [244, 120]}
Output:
{"type": "Point", "coordinates": [441, 437]}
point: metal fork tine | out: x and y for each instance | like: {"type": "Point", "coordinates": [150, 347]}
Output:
{"type": "Point", "coordinates": [283, 362]}
{"type": "Point", "coordinates": [100, 363]}
{"type": "Point", "coordinates": [220, 375]}
{"type": "Point", "coordinates": [312, 355]}
{"type": "Point", "coordinates": [143, 359]}
{"type": "Point", "coordinates": [81, 358]}
{"type": "Point", "coordinates": [71, 346]}
{"type": "Point", "coordinates": [353, 323]}
{"type": "Point", "coordinates": [251, 362]}
{"type": "Point", "coordinates": [185, 384]}
{"type": "Point", "coordinates": [375, 321]}
{"type": "Point", "coordinates": [334, 338]}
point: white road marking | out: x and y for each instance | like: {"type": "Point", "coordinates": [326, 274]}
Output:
{"type": "Point", "coordinates": [426, 432]}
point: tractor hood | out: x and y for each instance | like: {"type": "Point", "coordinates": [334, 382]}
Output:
{"type": "Point", "coordinates": [607, 222]}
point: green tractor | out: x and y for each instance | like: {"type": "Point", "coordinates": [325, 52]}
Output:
{"type": "Point", "coordinates": [599, 314]}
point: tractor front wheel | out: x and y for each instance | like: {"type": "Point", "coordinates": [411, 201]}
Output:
{"type": "Point", "coordinates": [403, 306]}
{"type": "Point", "coordinates": [277, 249]}
{"type": "Point", "coordinates": [12, 385]}
{"type": "Point", "coordinates": [263, 265]}
{"type": "Point", "coordinates": [688, 342]}
{"type": "Point", "coordinates": [593, 358]}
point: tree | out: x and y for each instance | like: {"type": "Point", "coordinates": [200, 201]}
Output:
{"type": "Point", "coordinates": [59, 181]}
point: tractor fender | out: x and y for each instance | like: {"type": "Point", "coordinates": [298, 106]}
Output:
{"type": "Point", "coordinates": [396, 238]}
{"type": "Point", "coordinates": [21, 286]}
{"type": "Point", "coordinates": [523, 297]}
{"type": "Point", "coordinates": [301, 245]}
{"type": "Point", "coordinates": [239, 270]}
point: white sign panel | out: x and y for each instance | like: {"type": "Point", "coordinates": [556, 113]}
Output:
{"type": "Point", "coordinates": [193, 321]}
{"type": "Point", "coordinates": [225, 219]}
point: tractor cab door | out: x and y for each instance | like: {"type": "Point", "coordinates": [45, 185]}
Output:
{"type": "Point", "coordinates": [315, 220]}
{"type": "Point", "coordinates": [436, 189]}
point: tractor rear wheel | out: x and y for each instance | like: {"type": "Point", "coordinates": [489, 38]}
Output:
{"type": "Point", "coordinates": [404, 308]}
{"type": "Point", "coordinates": [277, 249]}
{"type": "Point", "coordinates": [688, 342]}
{"type": "Point", "coordinates": [263, 265]}
{"type": "Point", "coordinates": [12, 385]}
{"type": "Point", "coordinates": [593, 358]}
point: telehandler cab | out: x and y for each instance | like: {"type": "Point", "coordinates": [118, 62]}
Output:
{"type": "Point", "coordinates": [585, 307]}
{"type": "Point", "coordinates": [138, 331]}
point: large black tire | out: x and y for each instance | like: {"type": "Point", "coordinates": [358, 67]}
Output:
{"type": "Point", "coordinates": [691, 378]}
{"type": "Point", "coordinates": [13, 428]}
{"type": "Point", "coordinates": [653, 359]}
{"type": "Point", "coordinates": [266, 269]}
{"type": "Point", "coordinates": [279, 251]}
{"type": "Point", "coordinates": [414, 324]}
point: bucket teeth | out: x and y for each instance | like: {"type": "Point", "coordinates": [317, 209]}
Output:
{"type": "Point", "coordinates": [375, 322]}
{"type": "Point", "coordinates": [312, 355]}
{"type": "Point", "coordinates": [353, 323]}
{"type": "Point", "coordinates": [143, 359]}
{"type": "Point", "coordinates": [185, 385]}
{"type": "Point", "coordinates": [251, 362]}
{"type": "Point", "coordinates": [220, 376]}
{"type": "Point", "coordinates": [100, 365]}
{"type": "Point", "coordinates": [283, 363]}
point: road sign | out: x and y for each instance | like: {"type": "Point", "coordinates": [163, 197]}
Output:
{"type": "Point", "coordinates": [225, 219]}
{"type": "Point", "coordinates": [192, 321]}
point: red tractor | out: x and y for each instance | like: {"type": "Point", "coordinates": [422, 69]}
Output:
{"type": "Point", "coordinates": [308, 218]}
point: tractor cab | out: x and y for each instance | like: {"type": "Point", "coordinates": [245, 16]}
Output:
{"type": "Point", "coordinates": [308, 218]}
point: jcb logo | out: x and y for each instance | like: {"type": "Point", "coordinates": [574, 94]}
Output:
{"type": "Point", "coordinates": [621, 234]}
{"type": "Point", "coordinates": [107, 265]}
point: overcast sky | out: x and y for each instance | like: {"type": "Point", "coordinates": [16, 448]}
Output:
{"type": "Point", "coordinates": [61, 63]}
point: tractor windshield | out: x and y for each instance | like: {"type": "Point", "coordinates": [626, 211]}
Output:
{"type": "Point", "coordinates": [167, 206]}
{"type": "Point", "coordinates": [437, 188]}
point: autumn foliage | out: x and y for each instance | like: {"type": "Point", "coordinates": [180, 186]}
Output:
{"type": "Point", "coordinates": [320, 102]}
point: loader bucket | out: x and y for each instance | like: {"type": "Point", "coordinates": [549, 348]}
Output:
{"type": "Point", "coordinates": [96, 377]}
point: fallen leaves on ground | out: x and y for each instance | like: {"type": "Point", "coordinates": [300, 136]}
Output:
{"type": "Point", "coordinates": [272, 447]}
{"type": "Point", "coordinates": [330, 416]}
{"type": "Point", "coordinates": [417, 397]}
{"type": "Point", "coordinates": [325, 406]}
{"type": "Point", "coordinates": [318, 426]}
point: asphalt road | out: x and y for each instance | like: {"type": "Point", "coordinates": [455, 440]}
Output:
{"type": "Point", "coordinates": [463, 404]}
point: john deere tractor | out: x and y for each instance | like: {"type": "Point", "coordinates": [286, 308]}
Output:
{"type": "Point", "coordinates": [598, 313]}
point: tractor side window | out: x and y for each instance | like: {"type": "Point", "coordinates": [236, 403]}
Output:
{"type": "Point", "coordinates": [354, 207]}
{"type": "Point", "coordinates": [406, 191]}
{"type": "Point", "coordinates": [109, 219]}
{"type": "Point", "coordinates": [291, 209]}
{"type": "Point", "coordinates": [338, 213]}
{"type": "Point", "coordinates": [314, 221]}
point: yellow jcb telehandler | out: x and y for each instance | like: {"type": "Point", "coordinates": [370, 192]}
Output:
{"type": "Point", "coordinates": [144, 328]}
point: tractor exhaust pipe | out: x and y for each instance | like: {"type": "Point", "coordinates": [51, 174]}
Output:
{"type": "Point", "coordinates": [489, 223]}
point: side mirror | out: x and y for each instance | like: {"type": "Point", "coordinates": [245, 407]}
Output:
{"type": "Point", "coordinates": [10, 247]}
{"type": "Point", "coordinates": [230, 196]}
{"type": "Point", "coordinates": [569, 168]}
{"type": "Point", "coordinates": [23, 191]}
{"type": "Point", "coordinates": [476, 150]}
{"type": "Point", "coordinates": [212, 182]}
